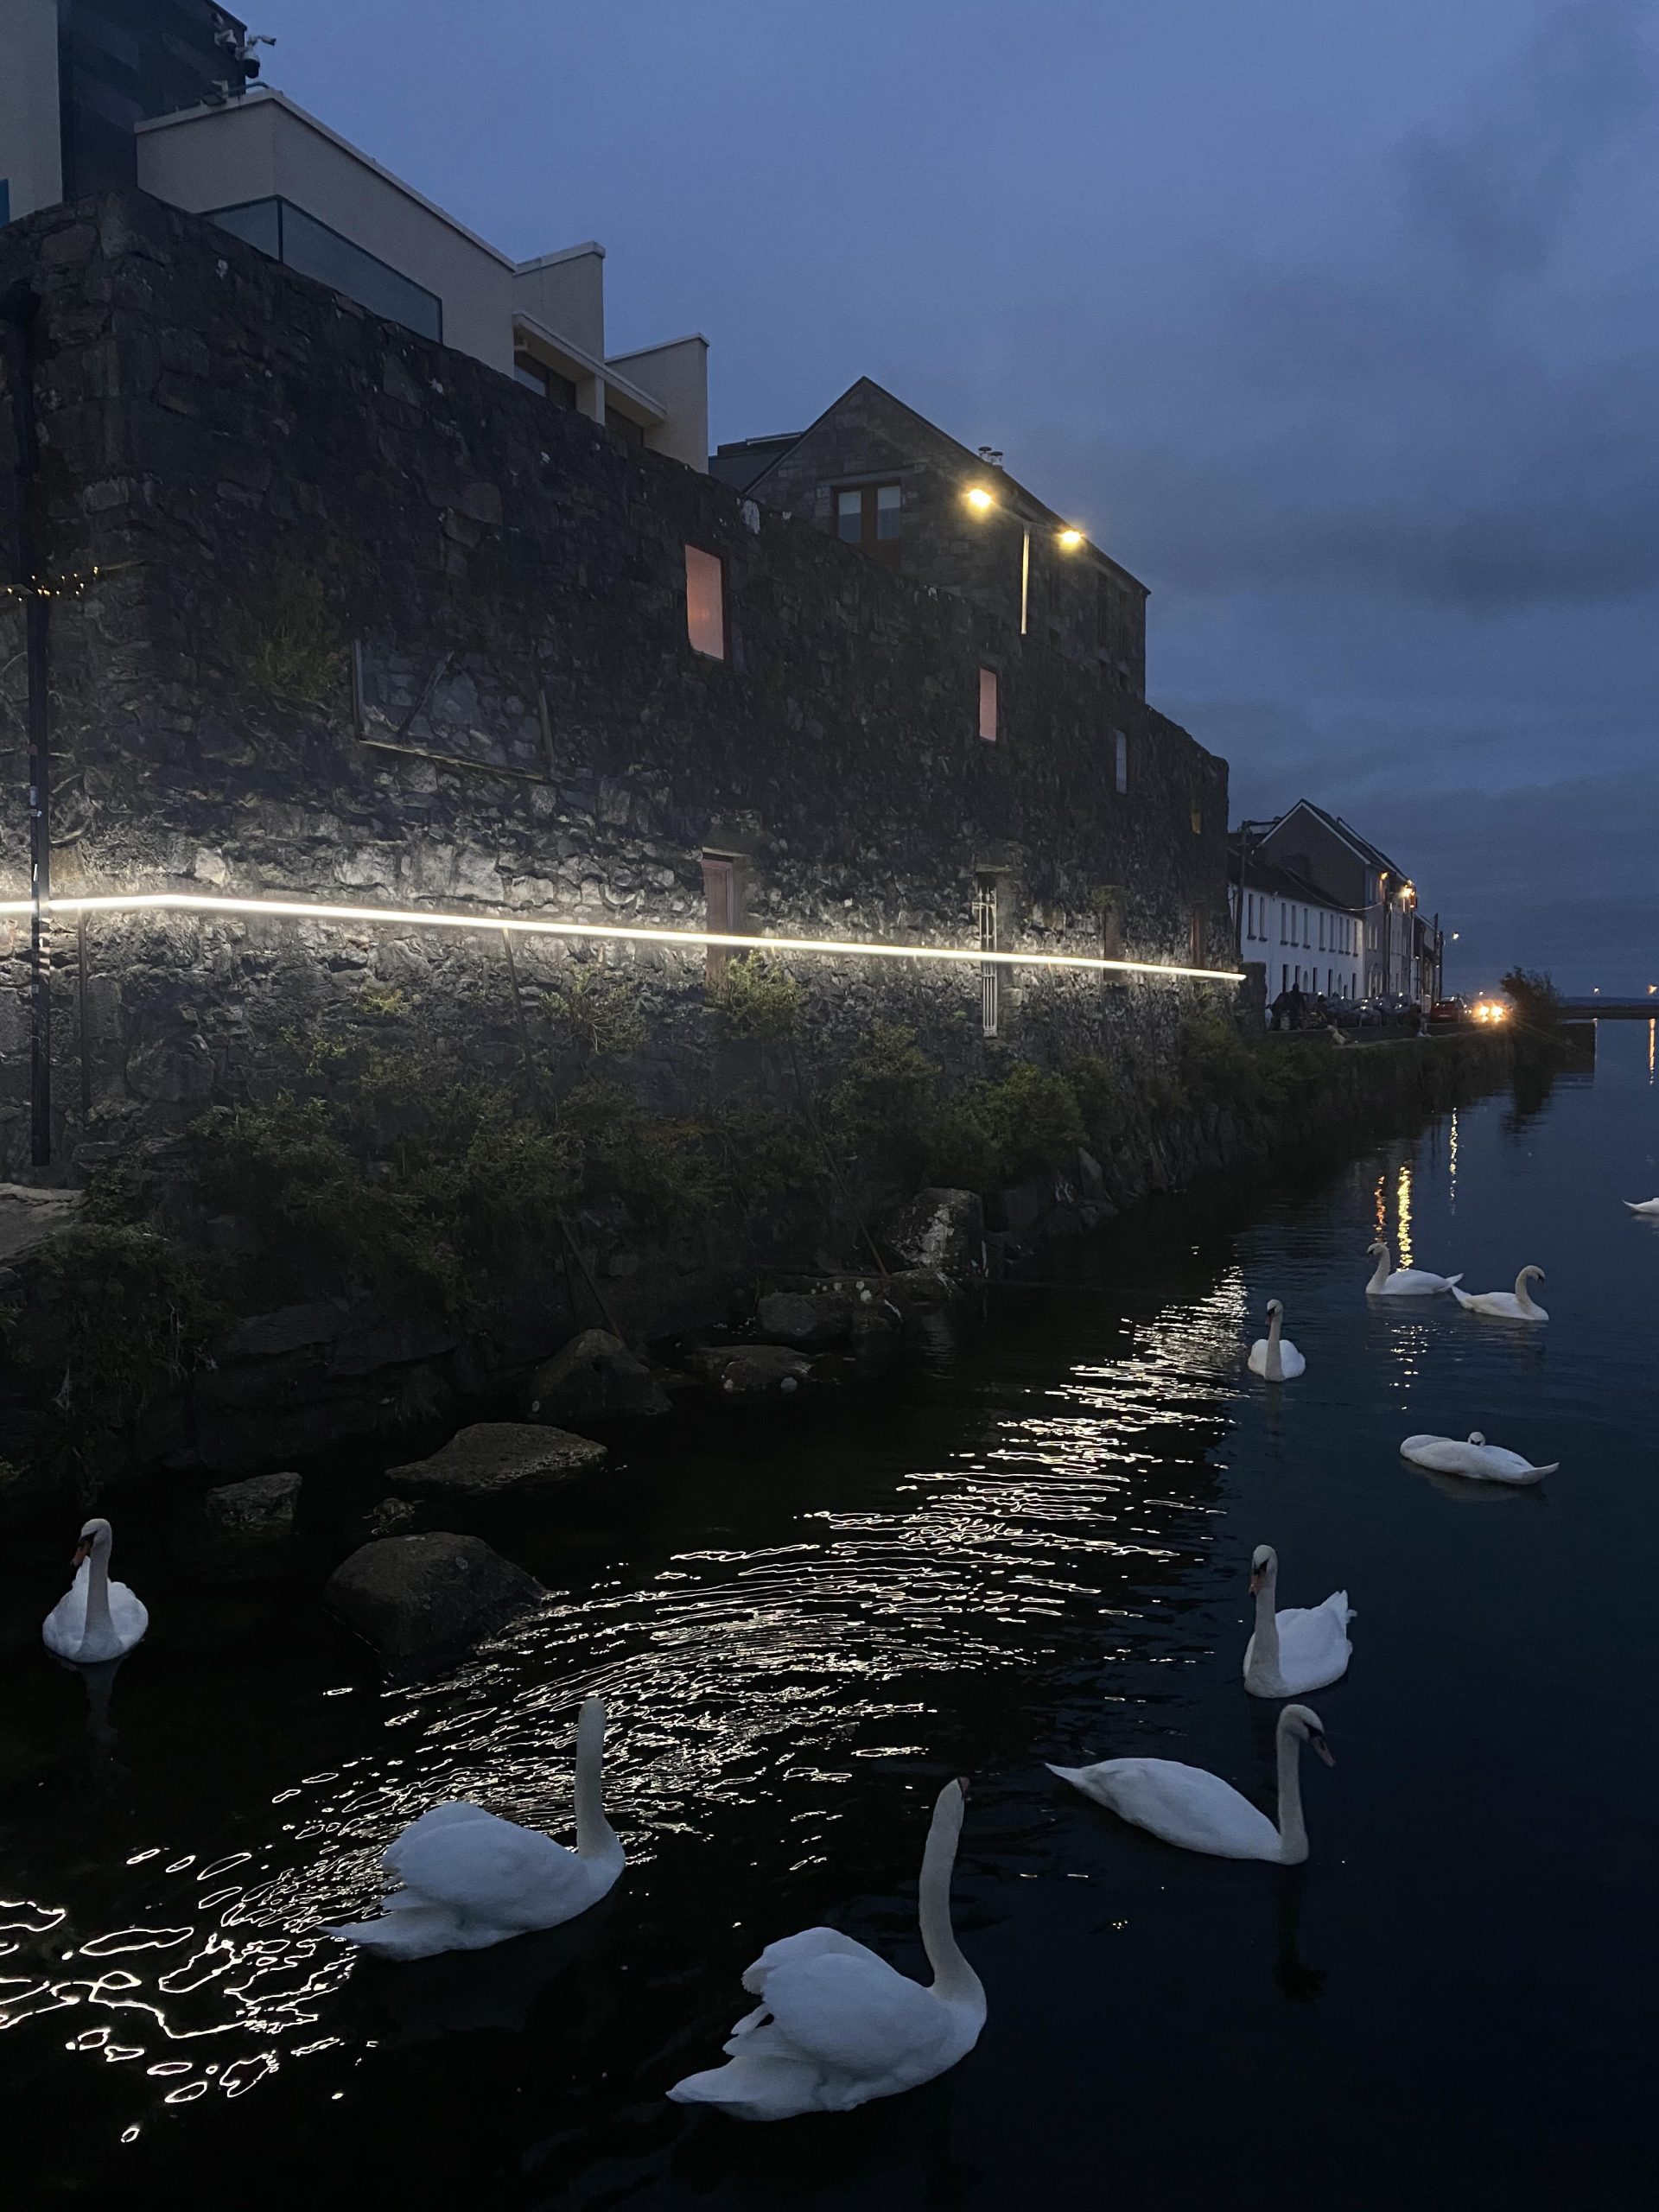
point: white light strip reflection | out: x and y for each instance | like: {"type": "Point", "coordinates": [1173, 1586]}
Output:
{"type": "Point", "coordinates": [312, 909]}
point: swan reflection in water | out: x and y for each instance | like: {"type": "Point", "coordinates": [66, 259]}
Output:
{"type": "Point", "coordinates": [1302, 1983]}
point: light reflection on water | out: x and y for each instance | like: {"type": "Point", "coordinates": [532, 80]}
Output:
{"type": "Point", "coordinates": [716, 1673]}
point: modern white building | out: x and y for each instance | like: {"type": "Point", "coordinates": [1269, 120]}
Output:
{"type": "Point", "coordinates": [1350, 872]}
{"type": "Point", "coordinates": [82, 109]}
{"type": "Point", "coordinates": [1304, 937]}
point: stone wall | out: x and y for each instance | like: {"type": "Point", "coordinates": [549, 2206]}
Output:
{"type": "Point", "coordinates": [272, 483]}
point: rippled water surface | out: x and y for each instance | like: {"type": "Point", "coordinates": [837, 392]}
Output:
{"type": "Point", "coordinates": [803, 1622]}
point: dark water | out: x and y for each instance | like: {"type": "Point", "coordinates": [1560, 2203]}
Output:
{"type": "Point", "coordinates": [1038, 1551]}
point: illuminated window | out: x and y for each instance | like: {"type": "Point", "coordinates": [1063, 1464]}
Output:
{"type": "Point", "coordinates": [867, 515]}
{"type": "Point", "coordinates": [1197, 819]}
{"type": "Point", "coordinates": [988, 705]}
{"type": "Point", "coordinates": [1121, 758]}
{"type": "Point", "coordinates": [705, 601]}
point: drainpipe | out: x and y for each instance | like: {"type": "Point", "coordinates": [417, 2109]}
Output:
{"type": "Point", "coordinates": [17, 312]}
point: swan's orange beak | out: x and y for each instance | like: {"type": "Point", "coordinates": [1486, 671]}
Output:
{"type": "Point", "coordinates": [83, 1553]}
{"type": "Point", "coordinates": [965, 1787]}
{"type": "Point", "coordinates": [1323, 1749]}
{"type": "Point", "coordinates": [1255, 1580]}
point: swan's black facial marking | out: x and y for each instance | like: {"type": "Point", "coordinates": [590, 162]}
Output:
{"type": "Point", "coordinates": [1316, 1738]}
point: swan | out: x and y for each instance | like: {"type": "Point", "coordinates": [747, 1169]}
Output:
{"type": "Point", "coordinates": [1301, 1648]}
{"type": "Point", "coordinates": [837, 2026]}
{"type": "Point", "coordinates": [470, 1879]}
{"type": "Point", "coordinates": [95, 1620]}
{"type": "Point", "coordinates": [1642, 1205]}
{"type": "Point", "coordinates": [1481, 1461]}
{"type": "Point", "coordinates": [1390, 1281]}
{"type": "Point", "coordinates": [1273, 1357]}
{"type": "Point", "coordinates": [1189, 1806]}
{"type": "Point", "coordinates": [1516, 1305]}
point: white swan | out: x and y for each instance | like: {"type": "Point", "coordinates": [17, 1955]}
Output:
{"type": "Point", "coordinates": [1273, 1357]}
{"type": "Point", "coordinates": [837, 2026]}
{"type": "Point", "coordinates": [1301, 1648]}
{"type": "Point", "coordinates": [1390, 1281]}
{"type": "Point", "coordinates": [95, 1619]}
{"type": "Point", "coordinates": [1642, 1205]}
{"type": "Point", "coordinates": [1197, 1809]}
{"type": "Point", "coordinates": [470, 1879]}
{"type": "Point", "coordinates": [1480, 1461]}
{"type": "Point", "coordinates": [1516, 1305]}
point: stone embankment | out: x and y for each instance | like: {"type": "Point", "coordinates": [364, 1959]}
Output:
{"type": "Point", "coordinates": [137, 1355]}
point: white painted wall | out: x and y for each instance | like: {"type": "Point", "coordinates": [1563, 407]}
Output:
{"type": "Point", "coordinates": [1320, 947]}
{"type": "Point", "coordinates": [566, 292]}
{"type": "Point", "coordinates": [677, 376]}
{"type": "Point", "coordinates": [31, 153]}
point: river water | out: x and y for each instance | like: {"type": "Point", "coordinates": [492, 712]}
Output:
{"type": "Point", "coordinates": [1037, 1549]}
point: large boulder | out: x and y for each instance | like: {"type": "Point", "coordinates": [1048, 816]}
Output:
{"type": "Point", "coordinates": [807, 1319]}
{"type": "Point", "coordinates": [940, 1232]}
{"type": "Point", "coordinates": [410, 1596]}
{"type": "Point", "coordinates": [247, 1529]}
{"type": "Point", "coordinates": [494, 1459]}
{"type": "Point", "coordinates": [749, 1370]}
{"type": "Point", "coordinates": [28, 1216]}
{"type": "Point", "coordinates": [593, 1378]}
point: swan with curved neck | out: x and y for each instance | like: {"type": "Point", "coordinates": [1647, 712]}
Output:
{"type": "Point", "coordinates": [1273, 1357]}
{"type": "Point", "coordinates": [836, 2026]}
{"type": "Point", "coordinates": [1191, 1807]}
{"type": "Point", "coordinates": [1477, 1460]}
{"type": "Point", "coordinates": [1302, 1649]}
{"type": "Point", "coordinates": [469, 1880]}
{"type": "Point", "coordinates": [1516, 1305]}
{"type": "Point", "coordinates": [1390, 1282]}
{"type": "Point", "coordinates": [95, 1620]}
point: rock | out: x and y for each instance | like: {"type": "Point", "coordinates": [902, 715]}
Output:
{"type": "Point", "coordinates": [1021, 1209]}
{"type": "Point", "coordinates": [914, 1287]}
{"type": "Point", "coordinates": [391, 1517]}
{"type": "Point", "coordinates": [408, 1595]}
{"type": "Point", "coordinates": [1061, 1221]}
{"type": "Point", "coordinates": [807, 1319]}
{"type": "Point", "coordinates": [593, 1378]}
{"type": "Point", "coordinates": [28, 1216]}
{"type": "Point", "coordinates": [749, 1370]}
{"type": "Point", "coordinates": [247, 1528]}
{"type": "Point", "coordinates": [1090, 1173]}
{"type": "Point", "coordinates": [941, 1232]}
{"type": "Point", "coordinates": [495, 1458]}
{"type": "Point", "coordinates": [875, 1338]}
{"type": "Point", "coordinates": [265, 1336]}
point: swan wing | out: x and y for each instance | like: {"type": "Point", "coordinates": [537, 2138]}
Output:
{"type": "Point", "coordinates": [1258, 1359]}
{"type": "Point", "coordinates": [129, 1615]}
{"type": "Point", "coordinates": [792, 1950]}
{"type": "Point", "coordinates": [853, 2016]}
{"type": "Point", "coordinates": [64, 1630]}
{"type": "Point", "coordinates": [1290, 1359]}
{"type": "Point", "coordinates": [1445, 1455]}
{"type": "Point", "coordinates": [1499, 1465]}
{"type": "Point", "coordinates": [1183, 1804]}
{"type": "Point", "coordinates": [488, 1869]}
{"type": "Point", "coordinates": [1313, 1646]}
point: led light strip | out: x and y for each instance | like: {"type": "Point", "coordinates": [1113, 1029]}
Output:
{"type": "Point", "coordinates": [311, 910]}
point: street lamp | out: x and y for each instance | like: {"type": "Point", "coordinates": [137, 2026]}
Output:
{"type": "Point", "coordinates": [1069, 538]}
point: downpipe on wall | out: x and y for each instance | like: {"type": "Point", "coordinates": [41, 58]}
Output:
{"type": "Point", "coordinates": [18, 309]}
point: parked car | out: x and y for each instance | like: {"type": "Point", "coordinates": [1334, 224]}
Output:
{"type": "Point", "coordinates": [1448, 1014]}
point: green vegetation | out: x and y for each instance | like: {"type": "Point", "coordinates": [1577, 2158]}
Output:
{"type": "Point", "coordinates": [288, 641]}
{"type": "Point", "coordinates": [118, 1313]}
{"type": "Point", "coordinates": [754, 998]}
{"type": "Point", "coordinates": [596, 1010]}
{"type": "Point", "coordinates": [1536, 1002]}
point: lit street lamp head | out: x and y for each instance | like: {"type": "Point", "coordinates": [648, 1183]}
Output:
{"type": "Point", "coordinates": [1070, 540]}
{"type": "Point", "coordinates": [980, 499]}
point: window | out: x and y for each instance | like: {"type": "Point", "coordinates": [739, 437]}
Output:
{"type": "Point", "coordinates": [1121, 759]}
{"type": "Point", "coordinates": [1197, 935]}
{"type": "Point", "coordinates": [705, 601]}
{"type": "Point", "coordinates": [1321, 929]}
{"type": "Point", "coordinates": [720, 910]}
{"type": "Point", "coordinates": [1284, 930]}
{"type": "Point", "coordinates": [1197, 819]}
{"type": "Point", "coordinates": [988, 705]}
{"type": "Point", "coordinates": [867, 515]}
{"type": "Point", "coordinates": [628, 434]}
{"type": "Point", "coordinates": [543, 377]}
{"type": "Point", "coordinates": [288, 234]}
{"type": "Point", "coordinates": [990, 974]}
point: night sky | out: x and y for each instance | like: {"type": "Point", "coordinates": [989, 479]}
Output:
{"type": "Point", "coordinates": [1336, 323]}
